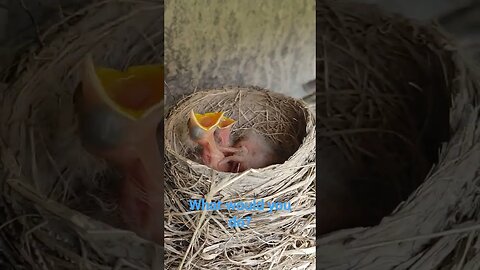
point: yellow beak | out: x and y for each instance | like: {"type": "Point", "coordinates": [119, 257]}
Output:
{"type": "Point", "coordinates": [134, 93]}
{"type": "Point", "coordinates": [202, 126]}
{"type": "Point", "coordinates": [226, 122]}
{"type": "Point", "coordinates": [206, 121]}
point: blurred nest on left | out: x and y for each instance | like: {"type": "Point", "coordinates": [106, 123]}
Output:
{"type": "Point", "coordinates": [58, 201]}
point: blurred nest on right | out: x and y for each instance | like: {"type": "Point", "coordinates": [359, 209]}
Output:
{"type": "Point", "coordinates": [401, 106]}
{"type": "Point", "coordinates": [383, 96]}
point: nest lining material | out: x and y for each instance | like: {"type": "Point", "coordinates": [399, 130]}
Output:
{"type": "Point", "coordinates": [284, 238]}
{"type": "Point", "coordinates": [60, 202]}
{"type": "Point", "coordinates": [434, 228]}
{"type": "Point", "coordinates": [59, 199]}
{"type": "Point", "coordinates": [383, 74]}
{"type": "Point", "coordinates": [281, 120]}
{"type": "Point", "coordinates": [386, 111]}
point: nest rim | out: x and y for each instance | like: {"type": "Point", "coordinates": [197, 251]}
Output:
{"type": "Point", "coordinates": [303, 147]}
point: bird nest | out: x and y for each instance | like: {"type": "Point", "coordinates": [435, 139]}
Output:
{"type": "Point", "coordinates": [59, 201]}
{"type": "Point", "coordinates": [55, 189]}
{"type": "Point", "coordinates": [204, 238]}
{"type": "Point", "coordinates": [402, 107]}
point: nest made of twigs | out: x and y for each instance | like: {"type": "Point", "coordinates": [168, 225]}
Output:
{"type": "Point", "coordinates": [383, 102]}
{"type": "Point", "coordinates": [385, 87]}
{"type": "Point", "coordinates": [203, 239]}
{"type": "Point", "coordinates": [60, 201]}
{"type": "Point", "coordinates": [433, 228]}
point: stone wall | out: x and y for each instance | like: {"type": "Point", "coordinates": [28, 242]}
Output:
{"type": "Point", "coordinates": [266, 43]}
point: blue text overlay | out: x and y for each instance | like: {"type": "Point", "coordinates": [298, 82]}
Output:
{"type": "Point", "coordinates": [245, 206]}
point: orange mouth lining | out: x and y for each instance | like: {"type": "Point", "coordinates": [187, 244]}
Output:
{"type": "Point", "coordinates": [226, 122]}
{"type": "Point", "coordinates": [135, 90]}
{"type": "Point", "coordinates": [208, 120]}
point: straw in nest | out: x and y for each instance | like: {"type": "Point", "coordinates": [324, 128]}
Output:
{"type": "Point", "coordinates": [381, 78]}
{"type": "Point", "coordinates": [60, 202]}
{"type": "Point", "coordinates": [201, 239]}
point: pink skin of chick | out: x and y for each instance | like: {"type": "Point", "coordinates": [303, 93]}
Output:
{"type": "Point", "coordinates": [142, 203]}
{"type": "Point", "coordinates": [205, 137]}
{"type": "Point", "coordinates": [223, 133]}
{"type": "Point", "coordinates": [256, 152]}
{"type": "Point", "coordinates": [129, 144]}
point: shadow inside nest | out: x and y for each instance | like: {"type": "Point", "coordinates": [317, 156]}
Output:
{"type": "Point", "coordinates": [278, 121]}
{"type": "Point", "coordinates": [99, 198]}
{"type": "Point", "coordinates": [382, 112]}
{"type": "Point", "coordinates": [239, 134]}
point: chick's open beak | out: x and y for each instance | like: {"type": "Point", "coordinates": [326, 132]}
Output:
{"type": "Point", "coordinates": [120, 108]}
{"type": "Point", "coordinates": [202, 126]}
{"type": "Point", "coordinates": [202, 129]}
{"type": "Point", "coordinates": [120, 113]}
{"type": "Point", "coordinates": [133, 92]}
{"type": "Point", "coordinates": [135, 98]}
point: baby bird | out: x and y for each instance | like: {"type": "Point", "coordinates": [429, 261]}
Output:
{"type": "Point", "coordinates": [141, 202]}
{"type": "Point", "coordinates": [222, 135]}
{"type": "Point", "coordinates": [201, 130]}
{"type": "Point", "coordinates": [119, 113]}
{"type": "Point", "coordinates": [206, 129]}
{"type": "Point", "coordinates": [224, 130]}
{"type": "Point", "coordinates": [255, 152]}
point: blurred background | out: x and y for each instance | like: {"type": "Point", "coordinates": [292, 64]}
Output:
{"type": "Point", "coordinates": [268, 43]}
{"type": "Point", "coordinates": [289, 33]}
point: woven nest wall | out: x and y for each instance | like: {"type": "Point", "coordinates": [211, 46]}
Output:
{"type": "Point", "coordinates": [402, 107]}
{"type": "Point", "coordinates": [56, 186]}
{"type": "Point", "coordinates": [60, 201]}
{"type": "Point", "coordinates": [202, 239]}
